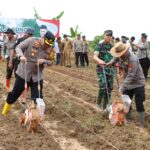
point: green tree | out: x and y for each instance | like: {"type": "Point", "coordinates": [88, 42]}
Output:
{"type": "Point", "coordinates": [37, 16]}
{"type": "Point", "coordinates": [74, 32]}
{"type": "Point", "coordinates": [95, 42]}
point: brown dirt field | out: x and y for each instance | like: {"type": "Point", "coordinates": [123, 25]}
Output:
{"type": "Point", "coordinates": [72, 121]}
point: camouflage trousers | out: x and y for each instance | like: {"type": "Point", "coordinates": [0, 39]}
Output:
{"type": "Point", "coordinates": [105, 82]}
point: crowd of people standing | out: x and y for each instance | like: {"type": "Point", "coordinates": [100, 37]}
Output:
{"type": "Point", "coordinates": [66, 47]}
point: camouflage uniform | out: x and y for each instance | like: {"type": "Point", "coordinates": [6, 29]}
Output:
{"type": "Point", "coordinates": [104, 74]}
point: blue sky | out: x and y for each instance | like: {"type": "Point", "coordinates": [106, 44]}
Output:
{"type": "Point", "coordinates": [130, 17]}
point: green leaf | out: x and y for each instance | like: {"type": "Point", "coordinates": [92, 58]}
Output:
{"type": "Point", "coordinates": [72, 32]}
{"type": "Point", "coordinates": [36, 15]}
{"type": "Point", "coordinates": [60, 15]}
{"type": "Point", "coordinates": [76, 27]}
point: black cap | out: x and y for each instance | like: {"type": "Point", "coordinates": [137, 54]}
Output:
{"type": "Point", "coordinates": [108, 32]}
{"type": "Point", "coordinates": [30, 31]}
{"type": "Point", "coordinates": [133, 38]}
{"type": "Point", "coordinates": [124, 39]}
{"type": "Point", "coordinates": [83, 36]}
{"type": "Point", "coordinates": [65, 35]}
{"type": "Point", "coordinates": [144, 35]}
{"type": "Point", "coordinates": [49, 38]}
{"type": "Point", "coordinates": [43, 27]}
{"type": "Point", "coordinates": [117, 39]}
{"type": "Point", "coordinates": [10, 31]}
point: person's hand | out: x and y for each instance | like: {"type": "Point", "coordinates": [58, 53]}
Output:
{"type": "Point", "coordinates": [101, 62]}
{"type": "Point", "coordinates": [23, 59]}
{"type": "Point", "coordinates": [41, 61]}
{"type": "Point", "coordinates": [109, 64]}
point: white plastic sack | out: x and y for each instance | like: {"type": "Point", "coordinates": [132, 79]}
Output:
{"type": "Point", "coordinates": [41, 106]}
{"type": "Point", "coordinates": [126, 100]}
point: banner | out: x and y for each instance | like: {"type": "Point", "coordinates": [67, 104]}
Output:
{"type": "Point", "coordinates": [20, 25]}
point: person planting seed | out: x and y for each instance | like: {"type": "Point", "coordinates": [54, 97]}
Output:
{"type": "Point", "coordinates": [36, 50]}
{"type": "Point", "coordinates": [105, 74]}
{"type": "Point", "coordinates": [134, 79]}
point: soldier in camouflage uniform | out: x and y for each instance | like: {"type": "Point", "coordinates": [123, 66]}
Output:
{"type": "Point", "coordinates": [105, 74]}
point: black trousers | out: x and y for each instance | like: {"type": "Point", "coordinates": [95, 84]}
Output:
{"type": "Point", "coordinates": [16, 64]}
{"type": "Point", "coordinates": [145, 66]}
{"type": "Point", "coordinates": [78, 55]}
{"type": "Point", "coordinates": [57, 58]}
{"type": "Point", "coordinates": [14, 67]}
{"type": "Point", "coordinates": [139, 97]}
{"type": "Point", "coordinates": [85, 59]}
{"type": "Point", "coordinates": [19, 87]}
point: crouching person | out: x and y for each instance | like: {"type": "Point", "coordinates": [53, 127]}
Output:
{"type": "Point", "coordinates": [32, 52]}
{"type": "Point", "coordinates": [134, 79]}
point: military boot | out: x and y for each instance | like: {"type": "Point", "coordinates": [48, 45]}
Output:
{"type": "Point", "coordinates": [129, 115]}
{"type": "Point", "coordinates": [105, 103]}
{"type": "Point", "coordinates": [99, 101]}
{"type": "Point", "coordinates": [141, 118]}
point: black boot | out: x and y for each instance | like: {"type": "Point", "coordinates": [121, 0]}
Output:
{"type": "Point", "coordinates": [99, 101]}
{"type": "Point", "coordinates": [105, 103]}
{"type": "Point", "coordinates": [129, 115]}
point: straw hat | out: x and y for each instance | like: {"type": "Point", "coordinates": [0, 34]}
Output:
{"type": "Point", "coordinates": [119, 49]}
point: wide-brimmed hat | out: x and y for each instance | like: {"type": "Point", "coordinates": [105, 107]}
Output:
{"type": "Point", "coordinates": [119, 49]}
{"type": "Point", "coordinates": [49, 38]}
{"type": "Point", "coordinates": [10, 31]}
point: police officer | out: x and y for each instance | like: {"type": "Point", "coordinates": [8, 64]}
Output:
{"type": "Point", "coordinates": [6, 50]}
{"type": "Point", "coordinates": [36, 51]}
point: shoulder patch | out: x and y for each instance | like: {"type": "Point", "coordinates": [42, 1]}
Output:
{"type": "Point", "coordinates": [36, 44]}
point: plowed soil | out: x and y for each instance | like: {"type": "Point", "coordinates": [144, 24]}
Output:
{"type": "Point", "coordinates": [72, 121]}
